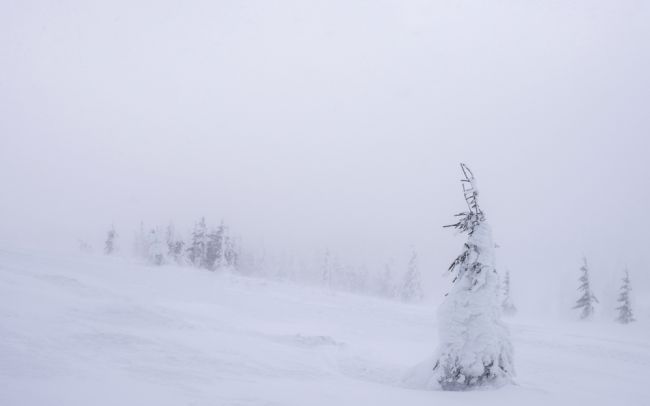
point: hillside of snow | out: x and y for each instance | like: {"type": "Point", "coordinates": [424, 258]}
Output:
{"type": "Point", "coordinates": [85, 330]}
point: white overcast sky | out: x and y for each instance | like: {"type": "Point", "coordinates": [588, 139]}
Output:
{"type": "Point", "coordinates": [340, 124]}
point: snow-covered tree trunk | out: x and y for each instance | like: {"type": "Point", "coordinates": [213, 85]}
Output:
{"type": "Point", "coordinates": [625, 308]}
{"type": "Point", "coordinates": [475, 347]}
{"type": "Point", "coordinates": [586, 301]}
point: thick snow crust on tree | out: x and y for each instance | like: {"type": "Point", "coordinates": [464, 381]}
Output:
{"type": "Point", "coordinates": [474, 344]}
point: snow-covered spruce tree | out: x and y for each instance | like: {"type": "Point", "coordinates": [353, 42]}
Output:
{"type": "Point", "coordinates": [110, 245]}
{"type": "Point", "coordinates": [174, 245]}
{"type": "Point", "coordinates": [411, 289]}
{"type": "Point", "coordinates": [507, 306]}
{"type": "Point", "coordinates": [214, 248]}
{"type": "Point", "coordinates": [475, 348]}
{"type": "Point", "coordinates": [196, 250]}
{"type": "Point", "coordinates": [625, 308]}
{"type": "Point", "coordinates": [586, 301]}
{"type": "Point", "coordinates": [230, 253]}
{"type": "Point", "coordinates": [155, 247]}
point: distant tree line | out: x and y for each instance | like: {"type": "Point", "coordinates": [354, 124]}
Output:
{"type": "Point", "coordinates": [214, 248]}
{"type": "Point", "coordinates": [391, 282]}
{"type": "Point", "coordinates": [211, 248]}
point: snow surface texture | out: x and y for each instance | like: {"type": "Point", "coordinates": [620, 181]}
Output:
{"type": "Point", "coordinates": [86, 330]}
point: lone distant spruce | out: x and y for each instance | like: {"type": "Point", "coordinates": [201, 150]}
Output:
{"type": "Point", "coordinates": [155, 247]}
{"type": "Point", "coordinates": [411, 290]}
{"type": "Point", "coordinates": [198, 243]}
{"type": "Point", "coordinates": [475, 348]}
{"type": "Point", "coordinates": [586, 302]}
{"type": "Point", "coordinates": [507, 306]}
{"type": "Point", "coordinates": [625, 309]}
{"type": "Point", "coordinates": [110, 244]}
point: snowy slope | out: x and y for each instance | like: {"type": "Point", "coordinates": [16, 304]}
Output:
{"type": "Point", "coordinates": [103, 331]}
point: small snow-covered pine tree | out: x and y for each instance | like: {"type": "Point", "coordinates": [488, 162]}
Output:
{"type": "Point", "coordinates": [474, 347]}
{"type": "Point", "coordinates": [110, 245]}
{"type": "Point", "coordinates": [230, 252]}
{"type": "Point", "coordinates": [214, 250]}
{"type": "Point", "coordinates": [586, 301]}
{"type": "Point", "coordinates": [625, 308]}
{"type": "Point", "coordinates": [411, 289]}
{"type": "Point", "coordinates": [197, 248]}
{"type": "Point", "coordinates": [155, 247]}
{"type": "Point", "coordinates": [507, 306]}
{"type": "Point", "coordinates": [174, 245]}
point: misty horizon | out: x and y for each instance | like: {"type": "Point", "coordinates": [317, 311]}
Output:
{"type": "Point", "coordinates": [306, 129]}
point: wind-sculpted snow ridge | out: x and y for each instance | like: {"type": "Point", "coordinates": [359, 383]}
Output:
{"type": "Point", "coordinates": [100, 331]}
